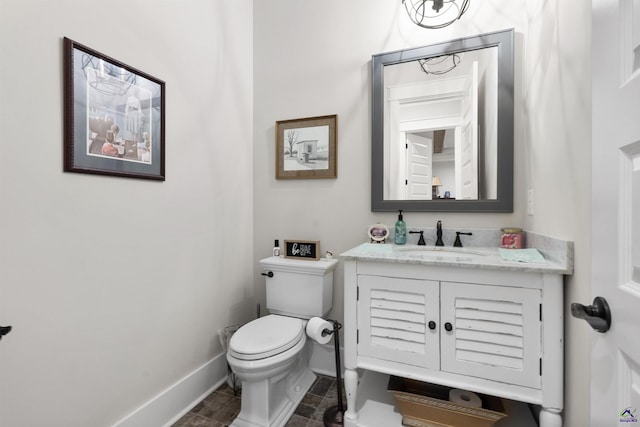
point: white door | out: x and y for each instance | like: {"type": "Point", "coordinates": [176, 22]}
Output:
{"type": "Point", "coordinates": [467, 152]}
{"type": "Point", "coordinates": [419, 166]}
{"type": "Point", "coordinates": [615, 354]}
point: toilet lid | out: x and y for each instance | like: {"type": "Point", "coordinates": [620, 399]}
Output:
{"type": "Point", "coordinates": [266, 336]}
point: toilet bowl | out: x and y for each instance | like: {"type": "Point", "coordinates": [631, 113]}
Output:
{"type": "Point", "coordinates": [269, 356]}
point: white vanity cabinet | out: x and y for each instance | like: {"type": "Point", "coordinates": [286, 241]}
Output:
{"type": "Point", "coordinates": [463, 328]}
{"type": "Point", "coordinates": [494, 330]}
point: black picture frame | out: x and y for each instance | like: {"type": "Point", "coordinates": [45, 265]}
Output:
{"type": "Point", "coordinates": [114, 116]}
{"type": "Point", "coordinates": [302, 249]}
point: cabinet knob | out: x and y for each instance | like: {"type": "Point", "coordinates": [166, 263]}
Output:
{"type": "Point", "coordinates": [448, 326]}
{"type": "Point", "coordinates": [432, 325]}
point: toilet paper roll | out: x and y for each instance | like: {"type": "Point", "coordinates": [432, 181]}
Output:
{"type": "Point", "coordinates": [315, 327]}
{"type": "Point", "coordinates": [463, 397]}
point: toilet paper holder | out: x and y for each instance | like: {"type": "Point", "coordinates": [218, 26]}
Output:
{"type": "Point", "coordinates": [336, 327]}
{"type": "Point", "coordinates": [334, 415]}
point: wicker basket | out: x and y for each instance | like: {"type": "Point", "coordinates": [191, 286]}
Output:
{"type": "Point", "coordinates": [427, 405]}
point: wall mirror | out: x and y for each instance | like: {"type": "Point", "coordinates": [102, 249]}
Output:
{"type": "Point", "coordinates": [442, 126]}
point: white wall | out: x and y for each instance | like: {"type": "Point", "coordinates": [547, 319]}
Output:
{"type": "Point", "coordinates": [313, 59]}
{"type": "Point", "coordinates": [116, 287]}
{"type": "Point", "coordinates": [556, 135]}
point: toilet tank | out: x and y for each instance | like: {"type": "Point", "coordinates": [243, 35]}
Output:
{"type": "Point", "coordinates": [299, 288]}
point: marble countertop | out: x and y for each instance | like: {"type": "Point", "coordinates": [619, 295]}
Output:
{"type": "Point", "coordinates": [558, 256]}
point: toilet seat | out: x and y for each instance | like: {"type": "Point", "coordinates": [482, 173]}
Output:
{"type": "Point", "coordinates": [266, 336]}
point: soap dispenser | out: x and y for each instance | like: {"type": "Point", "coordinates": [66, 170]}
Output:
{"type": "Point", "coordinates": [401, 230]}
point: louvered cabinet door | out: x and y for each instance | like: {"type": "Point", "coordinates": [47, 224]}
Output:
{"type": "Point", "coordinates": [495, 332]}
{"type": "Point", "coordinates": [393, 320]}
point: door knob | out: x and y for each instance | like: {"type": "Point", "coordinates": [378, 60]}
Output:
{"type": "Point", "coordinates": [4, 330]}
{"type": "Point", "coordinates": [597, 315]}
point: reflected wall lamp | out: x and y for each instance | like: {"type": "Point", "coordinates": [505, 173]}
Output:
{"type": "Point", "coordinates": [435, 14]}
{"type": "Point", "coordinates": [435, 191]}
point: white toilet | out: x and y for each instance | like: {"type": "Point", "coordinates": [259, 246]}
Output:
{"type": "Point", "coordinates": [269, 354]}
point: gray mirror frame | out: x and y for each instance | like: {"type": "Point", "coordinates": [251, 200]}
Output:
{"type": "Point", "coordinates": [504, 41]}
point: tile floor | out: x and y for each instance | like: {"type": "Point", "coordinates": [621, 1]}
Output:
{"type": "Point", "coordinates": [221, 407]}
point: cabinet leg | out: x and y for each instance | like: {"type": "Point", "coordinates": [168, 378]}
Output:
{"type": "Point", "coordinates": [550, 417]}
{"type": "Point", "coordinates": [351, 388]}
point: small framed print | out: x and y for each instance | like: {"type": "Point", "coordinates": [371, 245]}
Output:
{"type": "Point", "coordinates": [302, 249]}
{"type": "Point", "coordinates": [307, 148]}
{"type": "Point", "coordinates": [378, 233]}
{"type": "Point", "coordinates": [114, 116]}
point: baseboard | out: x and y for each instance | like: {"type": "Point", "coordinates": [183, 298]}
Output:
{"type": "Point", "coordinates": [171, 404]}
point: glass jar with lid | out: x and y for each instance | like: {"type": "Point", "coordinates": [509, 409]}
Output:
{"type": "Point", "coordinates": [512, 238]}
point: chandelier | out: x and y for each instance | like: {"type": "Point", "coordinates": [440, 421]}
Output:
{"type": "Point", "coordinates": [435, 13]}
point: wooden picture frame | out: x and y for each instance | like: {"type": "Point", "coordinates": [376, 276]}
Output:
{"type": "Point", "coordinates": [307, 148]}
{"type": "Point", "coordinates": [302, 249]}
{"type": "Point", "coordinates": [114, 116]}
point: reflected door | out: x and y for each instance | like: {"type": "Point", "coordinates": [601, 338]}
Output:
{"type": "Point", "coordinates": [419, 168]}
{"type": "Point", "coordinates": [467, 152]}
{"type": "Point", "coordinates": [615, 355]}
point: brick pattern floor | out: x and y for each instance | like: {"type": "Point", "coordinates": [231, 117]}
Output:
{"type": "Point", "coordinates": [221, 407]}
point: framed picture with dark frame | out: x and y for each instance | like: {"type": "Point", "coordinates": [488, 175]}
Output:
{"type": "Point", "coordinates": [114, 116]}
{"type": "Point", "coordinates": [307, 148]}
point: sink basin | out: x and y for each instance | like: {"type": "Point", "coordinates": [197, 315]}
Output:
{"type": "Point", "coordinates": [439, 252]}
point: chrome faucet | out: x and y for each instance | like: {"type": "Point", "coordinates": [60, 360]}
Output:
{"type": "Point", "coordinates": [439, 241]}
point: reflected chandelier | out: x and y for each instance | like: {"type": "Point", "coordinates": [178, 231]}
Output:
{"type": "Point", "coordinates": [435, 13]}
{"type": "Point", "coordinates": [440, 65]}
{"type": "Point", "coordinates": [105, 77]}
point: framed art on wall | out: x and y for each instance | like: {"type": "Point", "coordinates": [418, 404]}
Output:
{"type": "Point", "coordinates": [114, 116]}
{"type": "Point", "coordinates": [307, 148]}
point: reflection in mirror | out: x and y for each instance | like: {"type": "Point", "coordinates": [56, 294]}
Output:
{"type": "Point", "coordinates": [442, 117]}
{"type": "Point", "coordinates": [443, 126]}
